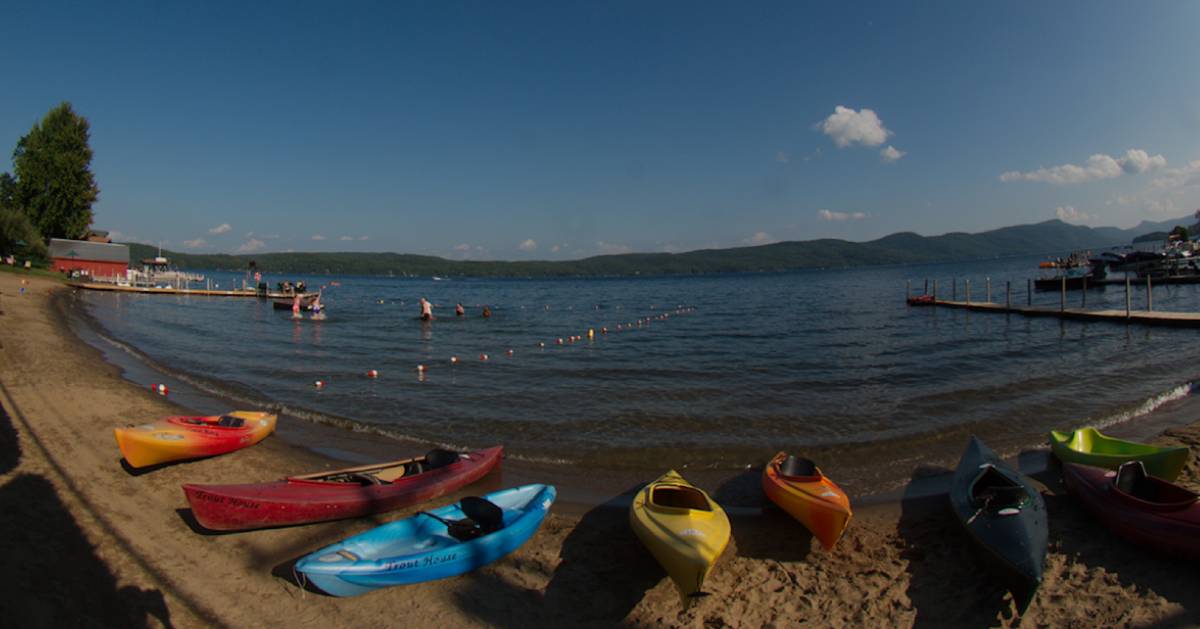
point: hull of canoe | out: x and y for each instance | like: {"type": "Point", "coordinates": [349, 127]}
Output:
{"type": "Point", "coordinates": [1168, 531]}
{"type": "Point", "coordinates": [685, 542]}
{"type": "Point", "coordinates": [170, 440]}
{"type": "Point", "coordinates": [417, 549]}
{"type": "Point", "coordinates": [1014, 545]}
{"type": "Point", "coordinates": [300, 501]}
{"type": "Point", "coordinates": [819, 504]}
{"type": "Point", "coordinates": [1087, 446]}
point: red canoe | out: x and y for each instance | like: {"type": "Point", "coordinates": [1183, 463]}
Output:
{"type": "Point", "coordinates": [345, 493]}
{"type": "Point", "coordinates": [1143, 509]}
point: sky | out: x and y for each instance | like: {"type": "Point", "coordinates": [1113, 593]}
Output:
{"type": "Point", "coordinates": [560, 130]}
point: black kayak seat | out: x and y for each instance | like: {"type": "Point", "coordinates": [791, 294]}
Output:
{"type": "Point", "coordinates": [797, 466]}
{"type": "Point", "coordinates": [483, 517]}
{"type": "Point", "coordinates": [995, 491]}
{"type": "Point", "coordinates": [413, 467]}
{"type": "Point", "coordinates": [1133, 480]}
{"type": "Point", "coordinates": [439, 458]}
{"type": "Point", "coordinates": [229, 421]}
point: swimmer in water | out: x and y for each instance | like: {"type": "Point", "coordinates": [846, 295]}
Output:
{"type": "Point", "coordinates": [426, 310]}
{"type": "Point", "coordinates": [317, 308]}
{"type": "Point", "coordinates": [458, 310]}
{"type": "Point", "coordinates": [487, 312]}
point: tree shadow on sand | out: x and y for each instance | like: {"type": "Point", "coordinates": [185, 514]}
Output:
{"type": "Point", "coordinates": [53, 577]}
{"type": "Point", "coordinates": [949, 585]}
{"type": "Point", "coordinates": [760, 529]}
{"type": "Point", "coordinates": [603, 574]}
{"type": "Point", "coordinates": [10, 444]}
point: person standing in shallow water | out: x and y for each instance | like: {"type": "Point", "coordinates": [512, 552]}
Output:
{"type": "Point", "coordinates": [487, 312]}
{"type": "Point", "coordinates": [458, 310]}
{"type": "Point", "coordinates": [426, 310]}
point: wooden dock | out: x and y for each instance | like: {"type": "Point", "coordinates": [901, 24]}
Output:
{"type": "Point", "coordinates": [151, 290]}
{"type": "Point", "coordinates": [1146, 317]}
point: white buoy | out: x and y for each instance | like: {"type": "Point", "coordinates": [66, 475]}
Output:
{"type": "Point", "coordinates": [320, 384]}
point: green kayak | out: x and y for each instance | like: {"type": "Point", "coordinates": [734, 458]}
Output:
{"type": "Point", "coordinates": [1089, 447]}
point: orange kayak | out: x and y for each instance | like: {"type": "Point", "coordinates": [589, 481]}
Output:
{"type": "Point", "coordinates": [798, 487]}
{"type": "Point", "coordinates": [179, 438]}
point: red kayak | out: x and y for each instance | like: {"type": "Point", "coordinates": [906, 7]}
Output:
{"type": "Point", "coordinates": [345, 493]}
{"type": "Point", "coordinates": [1141, 508]}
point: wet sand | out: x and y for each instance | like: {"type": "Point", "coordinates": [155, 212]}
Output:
{"type": "Point", "coordinates": [88, 542]}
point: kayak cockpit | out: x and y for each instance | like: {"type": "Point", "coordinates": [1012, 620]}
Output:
{"type": "Point", "coordinates": [995, 492]}
{"type": "Point", "coordinates": [1132, 482]}
{"type": "Point", "coordinates": [679, 497]}
{"type": "Point", "coordinates": [390, 472]}
{"type": "Point", "coordinates": [799, 468]}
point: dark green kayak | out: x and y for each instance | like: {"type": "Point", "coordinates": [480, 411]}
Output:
{"type": "Point", "coordinates": [1005, 516]}
{"type": "Point", "coordinates": [1088, 447]}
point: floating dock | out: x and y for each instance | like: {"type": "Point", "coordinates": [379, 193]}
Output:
{"type": "Point", "coordinates": [1146, 317]}
{"type": "Point", "coordinates": [152, 290]}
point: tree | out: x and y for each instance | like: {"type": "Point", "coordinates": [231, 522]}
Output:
{"type": "Point", "coordinates": [17, 233]}
{"type": "Point", "coordinates": [54, 182]}
{"type": "Point", "coordinates": [1180, 232]}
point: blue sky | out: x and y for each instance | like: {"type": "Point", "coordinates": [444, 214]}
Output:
{"type": "Point", "coordinates": [560, 130]}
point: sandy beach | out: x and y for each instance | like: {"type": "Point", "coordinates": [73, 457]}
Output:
{"type": "Point", "coordinates": [90, 543]}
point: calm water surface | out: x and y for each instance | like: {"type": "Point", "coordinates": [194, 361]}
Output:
{"type": "Point", "coordinates": [829, 362]}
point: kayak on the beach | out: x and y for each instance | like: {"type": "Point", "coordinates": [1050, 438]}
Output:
{"type": "Point", "coordinates": [799, 488]}
{"type": "Point", "coordinates": [1089, 447]}
{"type": "Point", "coordinates": [1143, 509]}
{"type": "Point", "coordinates": [445, 542]}
{"type": "Point", "coordinates": [1004, 516]}
{"type": "Point", "coordinates": [683, 528]}
{"type": "Point", "coordinates": [179, 438]}
{"type": "Point", "coordinates": [345, 493]}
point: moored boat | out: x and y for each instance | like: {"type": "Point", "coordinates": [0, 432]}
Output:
{"type": "Point", "coordinates": [179, 438]}
{"type": "Point", "coordinates": [1004, 516]}
{"type": "Point", "coordinates": [345, 493]}
{"type": "Point", "coordinates": [445, 542]}
{"type": "Point", "coordinates": [1091, 447]}
{"type": "Point", "coordinates": [286, 303]}
{"type": "Point", "coordinates": [684, 529]}
{"type": "Point", "coordinates": [1145, 510]}
{"type": "Point", "coordinates": [799, 488]}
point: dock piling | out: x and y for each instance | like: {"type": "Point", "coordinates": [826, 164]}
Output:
{"type": "Point", "coordinates": [1149, 296]}
{"type": "Point", "coordinates": [967, 289]}
{"type": "Point", "coordinates": [1008, 294]}
{"type": "Point", "coordinates": [1127, 295]}
{"type": "Point", "coordinates": [1062, 294]}
{"type": "Point", "coordinates": [989, 289]}
{"type": "Point", "coordinates": [1028, 292]}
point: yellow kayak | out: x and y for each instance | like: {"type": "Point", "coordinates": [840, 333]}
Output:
{"type": "Point", "coordinates": [179, 438]}
{"type": "Point", "coordinates": [683, 528]}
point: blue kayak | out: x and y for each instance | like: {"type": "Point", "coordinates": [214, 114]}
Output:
{"type": "Point", "coordinates": [445, 542]}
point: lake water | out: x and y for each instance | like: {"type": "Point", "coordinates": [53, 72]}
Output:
{"type": "Point", "coordinates": [831, 363]}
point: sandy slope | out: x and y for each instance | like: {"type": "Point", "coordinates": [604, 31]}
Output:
{"type": "Point", "coordinates": [87, 542]}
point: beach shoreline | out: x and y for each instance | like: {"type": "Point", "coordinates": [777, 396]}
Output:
{"type": "Point", "coordinates": [127, 555]}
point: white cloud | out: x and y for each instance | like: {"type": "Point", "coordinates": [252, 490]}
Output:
{"type": "Point", "coordinates": [608, 248]}
{"type": "Point", "coordinates": [318, 237]}
{"type": "Point", "coordinates": [848, 127]}
{"type": "Point", "coordinates": [1069, 214]}
{"type": "Point", "coordinates": [345, 237]}
{"type": "Point", "coordinates": [827, 215]}
{"type": "Point", "coordinates": [555, 248]}
{"type": "Point", "coordinates": [195, 243]}
{"type": "Point", "coordinates": [759, 238]}
{"type": "Point", "coordinates": [253, 244]}
{"type": "Point", "coordinates": [463, 247]}
{"type": "Point", "coordinates": [1180, 177]}
{"type": "Point", "coordinates": [1097, 167]}
{"type": "Point", "coordinates": [364, 237]}
{"type": "Point", "coordinates": [891, 154]}
{"type": "Point", "coordinates": [220, 229]}
{"type": "Point", "coordinates": [528, 245]}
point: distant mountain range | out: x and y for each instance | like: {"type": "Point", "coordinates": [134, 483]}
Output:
{"type": "Point", "coordinates": [1052, 237]}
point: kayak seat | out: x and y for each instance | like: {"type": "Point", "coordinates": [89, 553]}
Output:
{"type": "Point", "coordinates": [483, 517]}
{"type": "Point", "coordinates": [1133, 480]}
{"type": "Point", "coordinates": [679, 498]}
{"type": "Point", "coordinates": [797, 466]}
{"type": "Point", "coordinates": [413, 467]}
{"type": "Point", "coordinates": [995, 491]}
{"type": "Point", "coordinates": [229, 421]}
{"type": "Point", "coordinates": [440, 458]}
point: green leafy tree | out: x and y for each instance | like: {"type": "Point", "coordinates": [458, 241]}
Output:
{"type": "Point", "coordinates": [54, 182]}
{"type": "Point", "coordinates": [1180, 232]}
{"type": "Point", "coordinates": [17, 233]}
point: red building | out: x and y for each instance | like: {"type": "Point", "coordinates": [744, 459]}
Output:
{"type": "Point", "coordinates": [97, 259]}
